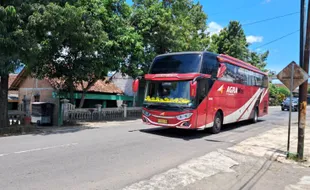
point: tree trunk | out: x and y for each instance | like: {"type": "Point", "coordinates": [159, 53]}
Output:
{"type": "Point", "coordinates": [4, 85]}
{"type": "Point", "coordinates": [82, 99]}
{"type": "Point", "coordinates": [85, 90]}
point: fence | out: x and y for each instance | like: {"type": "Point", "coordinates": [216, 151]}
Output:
{"type": "Point", "coordinates": [97, 114]}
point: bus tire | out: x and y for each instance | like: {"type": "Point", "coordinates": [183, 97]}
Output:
{"type": "Point", "coordinates": [255, 115]}
{"type": "Point", "coordinates": [217, 124]}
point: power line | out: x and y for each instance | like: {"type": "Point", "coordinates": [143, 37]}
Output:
{"type": "Point", "coordinates": [272, 18]}
{"type": "Point", "coordinates": [275, 40]}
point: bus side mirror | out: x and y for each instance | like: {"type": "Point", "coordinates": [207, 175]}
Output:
{"type": "Point", "coordinates": [221, 70]}
{"type": "Point", "coordinates": [135, 85]}
{"type": "Point", "coordinates": [193, 89]}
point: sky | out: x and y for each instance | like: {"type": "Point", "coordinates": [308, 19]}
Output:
{"type": "Point", "coordinates": [282, 52]}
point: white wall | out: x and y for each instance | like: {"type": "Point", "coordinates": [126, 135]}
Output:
{"type": "Point", "coordinates": [124, 83]}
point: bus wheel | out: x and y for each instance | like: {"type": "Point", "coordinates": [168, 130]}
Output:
{"type": "Point", "coordinates": [217, 124]}
{"type": "Point", "coordinates": [255, 116]}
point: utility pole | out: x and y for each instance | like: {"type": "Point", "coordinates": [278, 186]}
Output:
{"type": "Point", "coordinates": [304, 63]}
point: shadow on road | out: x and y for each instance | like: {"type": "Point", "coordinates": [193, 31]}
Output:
{"type": "Point", "coordinates": [194, 134]}
{"type": "Point", "coordinates": [59, 130]}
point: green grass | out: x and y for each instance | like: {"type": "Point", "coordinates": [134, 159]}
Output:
{"type": "Point", "coordinates": [292, 156]}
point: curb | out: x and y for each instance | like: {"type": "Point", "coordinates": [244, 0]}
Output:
{"type": "Point", "coordinates": [281, 157]}
{"type": "Point", "coordinates": [273, 107]}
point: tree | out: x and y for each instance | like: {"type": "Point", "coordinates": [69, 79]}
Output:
{"type": "Point", "coordinates": [166, 26]}
{"type": "Point", "coordinates": [190, 25]}
{"type": "Point", "coordinates": [16, 45]}
{"type": "Point", "coordinates": [258, 60]}
{"type": "Point", "coordinates": [277, 94]}
{"type": "Point", "coordinates": [232, 41]}
{"type": "Point", "coordinates": [81, 42]}
{"type": "Point", "coordinates": [283, 90]}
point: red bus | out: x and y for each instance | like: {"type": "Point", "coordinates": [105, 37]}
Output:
{"type": "Point", "coordinates": [199, 90]}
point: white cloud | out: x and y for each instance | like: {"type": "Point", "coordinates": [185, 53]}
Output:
{"type": "Point", "coordinates": [214, 28]}
{"type": "Point", "coordinates": [260, 50]}
{"type": "Point", "coordinates": [266, 1]}
{"type": "Point", "coordinates": [254, 39]}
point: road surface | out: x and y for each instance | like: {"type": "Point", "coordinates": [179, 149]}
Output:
{"type": "Point", "coordinates": [113, 156]}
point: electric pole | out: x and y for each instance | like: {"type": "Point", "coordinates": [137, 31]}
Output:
{"type": "Point", "coordinates": [304, 63]}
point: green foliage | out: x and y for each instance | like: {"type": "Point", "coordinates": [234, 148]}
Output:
{"type": "Point", "coordinates": [277, 94]}
{"type": "Point", "coordinates": [15, 40]}
{"type": "Point", "coordinates": [292, 156]}
{"type": "Point", "coordinates": [309, 90]}
{"type": "Point", "coordinates": [166, 26]}
{"type": "Point", "coordinates": [258, 60]}
{"type": "Point", "coordinates": [16, 46]}
{"type": "Point", "coordinates": [284, 91]}
{"type": "Point", "coordinates": [232, 41]}
{"type": "Point", "coordinates": [83, 41]}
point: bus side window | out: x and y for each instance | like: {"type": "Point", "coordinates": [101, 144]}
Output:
{"type": "Point", "coordinates": [229, 75]}
{"type": "Point", "coordinates": [259, 79]}
{"type": "Point", "coordinates": [209, 64]}
{"type": "Point", "coordinates": [265, 81]}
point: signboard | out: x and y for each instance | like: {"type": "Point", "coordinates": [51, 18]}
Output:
{"type": "Point", "coordinates": [299, 76]}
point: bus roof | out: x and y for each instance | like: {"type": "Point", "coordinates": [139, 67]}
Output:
{"type": "Point", "coordinates": [180, 53]}
{"type": "Point", "coordinates": [227, 58]}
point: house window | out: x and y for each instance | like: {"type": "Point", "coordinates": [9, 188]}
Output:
{"type": "Point", "coordinates": [37, 98]}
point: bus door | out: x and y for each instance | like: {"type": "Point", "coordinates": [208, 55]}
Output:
{"type": "Point", "coordinates": [202, 101]}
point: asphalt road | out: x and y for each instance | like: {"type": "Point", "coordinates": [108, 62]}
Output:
{"type": "Point", "coordinates": [112, 156]}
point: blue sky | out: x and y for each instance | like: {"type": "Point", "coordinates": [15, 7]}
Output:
{"type": "Point", "coordinates": [282, 52]}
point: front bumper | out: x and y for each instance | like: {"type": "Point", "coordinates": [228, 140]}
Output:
{"type": "Point", "coordinates": [171, 122]}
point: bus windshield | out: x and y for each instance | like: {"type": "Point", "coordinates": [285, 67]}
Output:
{"type": "Point", "coordinates": [176, 92]}
{"type": "Point", "coordinates": [179, 63]}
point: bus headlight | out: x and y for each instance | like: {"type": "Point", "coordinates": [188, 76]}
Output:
{"type": "Point", "coordinates": [184, 116]}
{"type": "Point", "coordinates": [147, 114]}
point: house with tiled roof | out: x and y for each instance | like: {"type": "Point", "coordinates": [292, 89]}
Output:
{"type": "Point", "coordinates": [103, 92]}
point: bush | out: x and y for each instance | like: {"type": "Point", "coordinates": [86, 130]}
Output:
{"type": "Point", "coordinates": [277, 94]}
{"type": "Point", "coordinates": [284, 91]}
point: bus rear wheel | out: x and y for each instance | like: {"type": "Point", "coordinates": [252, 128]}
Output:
{"type": "Point", "coordinates": [255, 116]}
{"type": "Point", "coordinates": [217, 124]}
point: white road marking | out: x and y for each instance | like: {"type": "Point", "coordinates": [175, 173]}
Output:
{"type": "Point", "coordinates": [40, 149]}
{"type": "Point", "coordinates": [45, 148]}
{"type": "Point", "coordinates": [187, 173]}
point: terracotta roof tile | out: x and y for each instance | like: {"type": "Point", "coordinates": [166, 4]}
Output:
{"type": "Point", "coordinates": [101, 86]}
